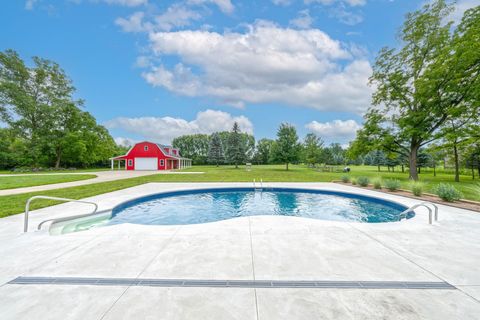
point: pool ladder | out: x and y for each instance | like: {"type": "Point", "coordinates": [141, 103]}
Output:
{"type": "Point", "coordinates": [27, 210]}
{"type": "Point", "coordinates": [255, 185]}
{"type": "Point", "coordinates": [403, 215]}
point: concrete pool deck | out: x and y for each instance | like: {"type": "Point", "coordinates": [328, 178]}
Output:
{"type": "Point", "coordinates": [273, 248]}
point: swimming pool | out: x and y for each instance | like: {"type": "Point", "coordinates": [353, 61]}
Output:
{"type": "Point", "coordinates": [209, 205]}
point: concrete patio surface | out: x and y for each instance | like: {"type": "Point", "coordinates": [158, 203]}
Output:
{"type": "Point", "coordinates": [246, 248]}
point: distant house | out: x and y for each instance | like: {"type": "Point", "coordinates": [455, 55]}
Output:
{"type": "Point", "coordinates": [152, 156]}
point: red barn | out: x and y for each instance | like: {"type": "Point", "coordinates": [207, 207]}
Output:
{"type": "Point", "coordinates": [152, 156]}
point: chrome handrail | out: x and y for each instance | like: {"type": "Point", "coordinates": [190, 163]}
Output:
{"type": "Point", "coordinates": [435, 207]}
{"type": "Point", "coordinates": [255, 185]}
{"type": "Point", "coordinates": [27, 207]}
{"type": "Point", "coordinates": [421, 204]}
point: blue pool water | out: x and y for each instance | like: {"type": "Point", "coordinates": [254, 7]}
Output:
{"type": "Point", "coordinates": [200, 206]}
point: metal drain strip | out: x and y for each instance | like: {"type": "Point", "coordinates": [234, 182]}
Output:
{"type": "Point", "coordinates": [231, 283]}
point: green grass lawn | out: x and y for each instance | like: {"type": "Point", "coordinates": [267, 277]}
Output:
{"type": "Point", "coordinates": [270, 173]}
{"type": "Point", "coordinates": [16, 181]}
{"type": "Point", "coordinates": [56, 171]}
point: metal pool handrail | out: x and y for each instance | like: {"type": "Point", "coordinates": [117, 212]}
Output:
{"type": "Point", "coordinates": [255, 186]}
{"type": "Point", "coordinates": [421, 204]}
{"type": "Point", "coordinates": [27, 208]}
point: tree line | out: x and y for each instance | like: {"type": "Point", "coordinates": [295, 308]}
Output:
{"type": "Point", "coordinates": [41, 123]}
{"type": "Point", "coordinates": [236, 147]}
{"type": "Point", "coordinates": [427, 158]}
{"type": "Point", "coordinates": [427, 97]}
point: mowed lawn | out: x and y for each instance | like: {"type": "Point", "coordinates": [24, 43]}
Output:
{"type": "Point", "coordinates": [20, 181]}
{"type": "Point", "coordinates": [9, 172]}
{"type": "Point", "coordinates": [269, 173]}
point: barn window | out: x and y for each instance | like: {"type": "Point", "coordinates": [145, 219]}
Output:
{"type": "Point", "coordinates": [145, 148]}
{"type": "Point", "coordinates": [162, 162]}
{"type": "Point", "coordinates": [130, 162]}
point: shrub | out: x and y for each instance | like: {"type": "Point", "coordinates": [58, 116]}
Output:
{"type": "Point", "coordinates": [354, 181]}
{"type": "Point", "coordinates": [447, 192]}
{"type": "Point", "coordinates": [392, 184]}
{"type": "Point", "coordinates": [346, 179]}
{"type": "Point", "coordinates": [363, 181]}
{"type": "Point", "coordinates": [417, 188]}
{"type": "Point", "coordinates": [377, 183]}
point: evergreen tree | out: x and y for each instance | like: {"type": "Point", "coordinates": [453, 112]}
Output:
{"type": "Point", "coordinates": [286, 148]}
{"type": "Point", "coordinates": [392, 160]}
{"type": "Point", "coordinates": [379, 159]}
{"type": "Point", "coordinates": [236, 146]}
{"type": "Point", "coordinates": [424, 160]}
{"type": "Point", "coordinates": [215, 150]}
{"type": "Point", "coordinates": [368, 159]}
{"type": "Point", "coordinates": [337, 154]}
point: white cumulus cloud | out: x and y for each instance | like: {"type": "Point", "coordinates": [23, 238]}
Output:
{"type": "Point", "coordinates": [30, 4]}
{"type": "Point", "coordinates": [346, 16]}
{"type": "Point", "coordinates": [265, 64]}
{"type": "Point", "coordinates": [127, 3]}
{"type": "Point", "coordinates": [165, 129]}
{"type": "Point", "coordinates": [124, 142]}
{"type": "Point", "coordinates": [338, 130]}
{"type": "Point", "coordinates": [303, 20]}
{"type": "Point", "coordinates": [352, 3]}
{"type": "Point", "coordinates": [176, 16]}
{"type": "Point", "coordinates": [133, 23]}
{"type": "Point", "coordinates": [282, 2]}
{"type": "Point", "coordinates": [225, 6]}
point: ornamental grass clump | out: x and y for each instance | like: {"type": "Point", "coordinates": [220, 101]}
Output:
{"type": "Point", "coordinates": [447, 192]}
{"type": "Point", "coordinates": [377, 183]}
{"type": "Point", "coordinates": [345, 179]}
{"type": "Point", "coordinates": [354, 181]}
{"type": "Point", "coordinates": [363, 181]}
{"type": "Point", "coordinates": [417, 188]}
{"type": "Point", "coordinates": [392, 184]}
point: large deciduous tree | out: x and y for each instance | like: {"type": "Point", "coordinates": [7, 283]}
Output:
{"type": "Point", "coordinates": [37, 105]}
{"type": "Point", "coordinates": [193, 146]}
{"type": "Point", "coordinates": [432, 78]}
{"type": "Point", "coordinates": [263, 150]}
{"type": "Point", "coordinates": [29, 98]}
{"type": "Point", "coordinates": [286, 148]}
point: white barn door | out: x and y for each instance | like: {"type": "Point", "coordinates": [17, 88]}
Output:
{"type": "Point", "coordinates": [146, 164]}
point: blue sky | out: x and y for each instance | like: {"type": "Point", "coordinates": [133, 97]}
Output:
{"type": "Point", "coordinates": [154, 70]}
